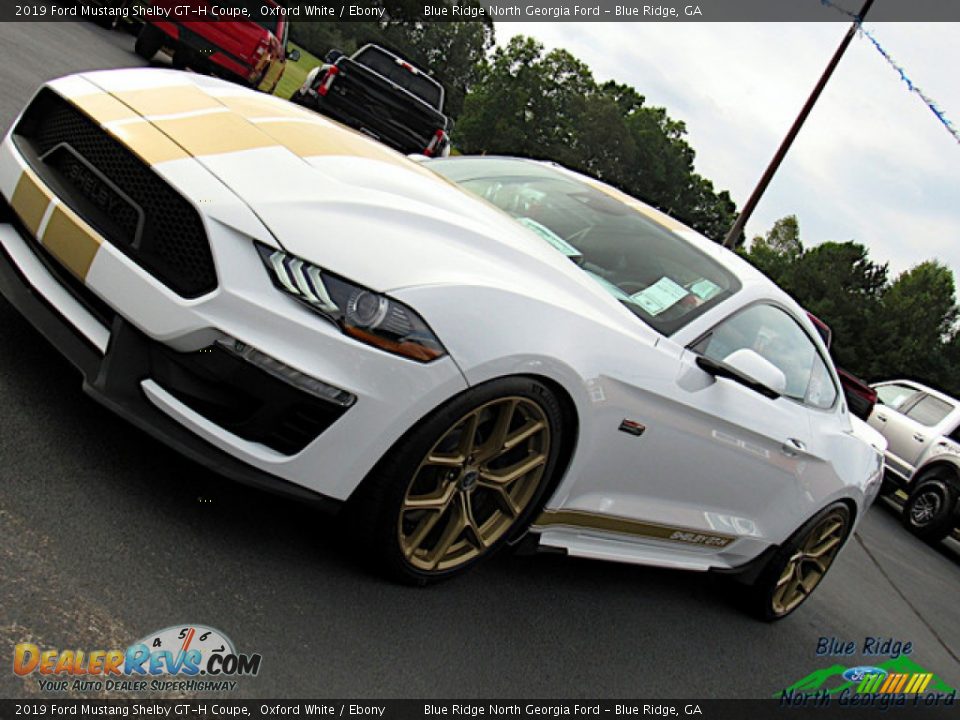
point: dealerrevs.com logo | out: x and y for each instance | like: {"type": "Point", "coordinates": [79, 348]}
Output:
{"type": "Point", "coordinates": [180, 658]}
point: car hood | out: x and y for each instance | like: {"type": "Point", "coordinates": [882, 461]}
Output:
{"type": "Point", "coordinates": [343, 201]}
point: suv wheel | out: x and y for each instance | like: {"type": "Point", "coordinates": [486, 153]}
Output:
{"type": "Point", "coordinates": [929, 512]}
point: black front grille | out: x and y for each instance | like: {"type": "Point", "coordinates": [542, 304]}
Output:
{"type": "Point", "coordinates": [117, 193]}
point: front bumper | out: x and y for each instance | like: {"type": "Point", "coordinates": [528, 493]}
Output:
{"type": "Point", "coordinates": [119, 322]}
{"type": "Point", "coordinates": [116, 379]}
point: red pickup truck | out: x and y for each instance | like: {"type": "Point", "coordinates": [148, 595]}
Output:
{"type": "Point", "coordinates": [250, 49]}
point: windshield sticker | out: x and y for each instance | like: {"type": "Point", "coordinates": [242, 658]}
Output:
{"type": "Point", "coordinates": [551, 237]}
{"type": "Point", "coordinates": [704, 289]}
{"type": "Point", "coordinates": [663, 294]}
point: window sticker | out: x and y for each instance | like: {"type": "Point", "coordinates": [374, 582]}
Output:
{"type": "Point", "coordinates": [705, 289]}
{"type": "Point", "coordinates": [551, 237]}
{"type": "Point", "coordinates": [660, 296]}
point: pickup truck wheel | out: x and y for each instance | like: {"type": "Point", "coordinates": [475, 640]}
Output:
{"type": "Point", "coordinates": [929, 512]}
{"type": "Point", "coordinates": [149, 42]}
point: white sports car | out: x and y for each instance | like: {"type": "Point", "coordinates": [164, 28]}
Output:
{"type": "Point", "coordinates": [462, 352]}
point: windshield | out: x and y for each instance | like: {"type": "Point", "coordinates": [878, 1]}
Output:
{"type": "Point", "coordinates": [659, 276]}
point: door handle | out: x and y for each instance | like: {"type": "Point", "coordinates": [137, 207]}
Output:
{"type": "Point", "coordinates": [792, 447]}
{"type": "Point", "coordinates": [919, 438]}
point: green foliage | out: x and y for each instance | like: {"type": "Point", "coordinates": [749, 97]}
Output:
{"type": "Point", "coordinates": [881, 329]}
{"type": "Point", "coordinates": [534, 103]}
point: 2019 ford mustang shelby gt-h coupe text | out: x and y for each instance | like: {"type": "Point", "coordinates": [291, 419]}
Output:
{"type": "Point", "coordinates": [459, 352]}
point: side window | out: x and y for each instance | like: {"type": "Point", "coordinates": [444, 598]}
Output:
{"type": "Point", "coordinates": [776, 336]}
{"type": "Point", "coordinates": [929, 411]}
{"type": "Point", "coordinates": [895, 396]}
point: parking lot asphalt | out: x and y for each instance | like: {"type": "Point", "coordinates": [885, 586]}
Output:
{"type": "Point", "coordinates": [106, 535]}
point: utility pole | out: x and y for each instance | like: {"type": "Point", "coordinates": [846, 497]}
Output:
{"type": "Point", "coordinates": [768, 174]}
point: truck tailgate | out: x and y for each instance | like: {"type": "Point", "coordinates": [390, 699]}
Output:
{"type": "Point", "coordinates": [370, 102]}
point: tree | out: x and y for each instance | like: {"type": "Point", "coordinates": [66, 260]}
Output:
{"type": "Point", "coordinates": [916, 327]}
{"type": "Point", "coordinates": [774, 253]}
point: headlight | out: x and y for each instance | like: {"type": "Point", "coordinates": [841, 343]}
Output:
{"type": "Point", "coordinates": [360, 313]}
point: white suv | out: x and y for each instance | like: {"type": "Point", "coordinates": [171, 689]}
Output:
{"type": "Point", "coordinates": [922, 428]}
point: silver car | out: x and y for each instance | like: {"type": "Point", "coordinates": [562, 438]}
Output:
{"type": "Point", "coordinates": [922, 428]}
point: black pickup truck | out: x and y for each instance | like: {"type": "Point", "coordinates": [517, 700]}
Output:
{"type": "Point", "coordinates": [382, 95]}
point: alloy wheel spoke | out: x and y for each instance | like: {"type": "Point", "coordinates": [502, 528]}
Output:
{"type": "Point", "coordinates": [515, 472]}
{"type": "Point", "coordinates": [524, 433]}
{"type": "Point", "coordinates": [436, 501]}
{"type": "Point", "coordinates": [453, 530]}
{"type": "Point", "coordinates": [468, 437]}
{"type": "Point", "coordinates": [447, 461]}
{"type": "Point", "coordinates": [493, 446]}
{"type": "Point", "coordinates": [470, 523]}
{"type": "Point", "coordinates": [787, 573]}
{"type": "Point", "coordinates": [824, 547]}
{"type": "Point", "coordinates": [426, 525]}
{"type": "Point", "coordinates": [502, 494]}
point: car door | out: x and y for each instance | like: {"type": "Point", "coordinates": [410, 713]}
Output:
{"type": "Point", "coordinates": [907, 437]}
{"type": "Point", "coordinates": [925, 417]}
{"type": "Point", "coordinates": [800, 429]}
{"type": "Point", "coordinates": [717, 456]}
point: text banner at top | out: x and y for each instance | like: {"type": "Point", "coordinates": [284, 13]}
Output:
{"type": "Point", "coordinates": [477, 10]}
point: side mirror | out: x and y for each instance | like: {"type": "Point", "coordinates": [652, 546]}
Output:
{"type": "Point", "coordinates": [332, 56]}
{"type": "Point", "coordinates": [756, 367]}
{"type": "Point", "coordinates": [293, 55]}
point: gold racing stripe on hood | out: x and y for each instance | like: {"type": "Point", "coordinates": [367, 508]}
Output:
{"type": "Point", "coordinates": [30, 201]}
{"type": "Point", "coordinates": [254, 107]}
{"type": "Point", "coordinates": [168, 100]}
{"type": "Point", "coordinates": [184, 121]}
{"type": "Point", "coordinates": [127, 126]}
{"type": "Point", "coordinates": [214, 134]}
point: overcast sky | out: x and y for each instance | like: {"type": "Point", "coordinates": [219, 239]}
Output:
{"type": "Point", "coordinates": [872, 163]}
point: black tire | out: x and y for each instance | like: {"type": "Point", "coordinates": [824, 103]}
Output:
{"type": "Point", "coordinates": [929, 512]}
{"type": "Point", "coordinates": [149, 42]}
{"type": "Point", "coordinates": [762, 597]}
{"type": "Point", "coordinates": [375, 513]}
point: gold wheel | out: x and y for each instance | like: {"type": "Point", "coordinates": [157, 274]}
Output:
{"type": "Point", "coordinates": [474, 484]}
{"type": "Point", "coordinates": [809, 563]}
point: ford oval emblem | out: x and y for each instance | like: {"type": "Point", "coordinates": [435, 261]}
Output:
{"type": "Point", "coordinates": [856, 674]}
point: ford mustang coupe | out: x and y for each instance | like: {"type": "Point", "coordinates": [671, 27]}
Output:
{"type": "Point", "coordinates": [459, 354]}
